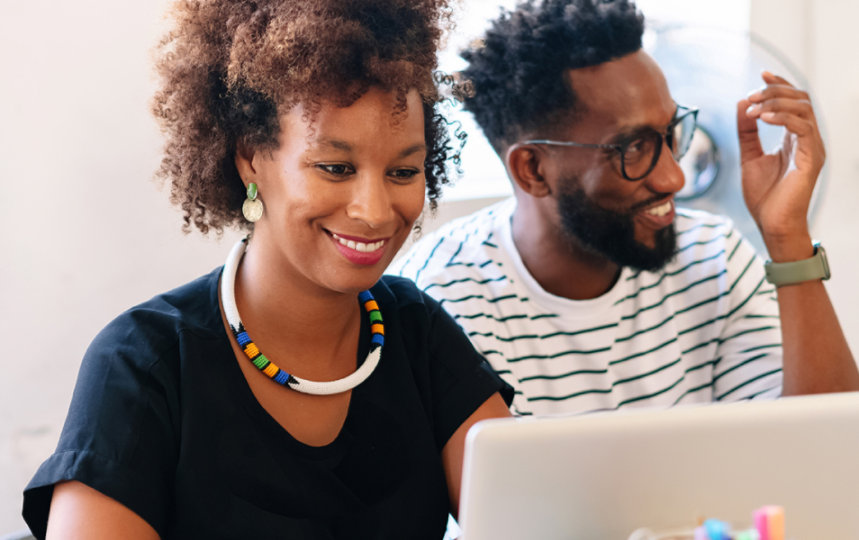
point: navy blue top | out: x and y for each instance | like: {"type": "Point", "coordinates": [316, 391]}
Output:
{"type": "Point", "coordinates": [163, 421]}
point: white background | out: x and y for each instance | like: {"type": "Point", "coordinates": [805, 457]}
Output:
{"type": "Point", "coordinates": [85, 232]}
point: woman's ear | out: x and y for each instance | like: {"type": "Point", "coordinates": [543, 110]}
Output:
{"type": "Point", "coordinates": [524, 167]}
{"type": "Point", "coordinates": [244, 159]}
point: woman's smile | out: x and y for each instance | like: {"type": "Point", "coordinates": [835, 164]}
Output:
{"type": "Point", "coordinates": [362, 251]}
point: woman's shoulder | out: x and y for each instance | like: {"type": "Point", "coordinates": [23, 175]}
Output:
{"type": "Point", "coordinates": [151, 327]}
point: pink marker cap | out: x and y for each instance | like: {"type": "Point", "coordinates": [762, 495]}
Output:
{"type": "Point", "coordinates": [769, 521]}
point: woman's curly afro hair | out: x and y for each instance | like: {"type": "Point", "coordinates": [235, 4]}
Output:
{"type": "Point", "coordinates": [518, 71]}
{"type": "Point", "coordinates": [229, 68]}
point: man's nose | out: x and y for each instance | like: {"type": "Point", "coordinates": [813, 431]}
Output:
{"type": "Point", "coordinates": [667, 176]}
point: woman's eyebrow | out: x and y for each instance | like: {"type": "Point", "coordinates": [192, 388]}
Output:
{"type": "Point", "coordinates": [334, 143]}
{"type": "Point", "coordinates": [338, 144]}
{"type": "Point", "coordinates": [419, 147]}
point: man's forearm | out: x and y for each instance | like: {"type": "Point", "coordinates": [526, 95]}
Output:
{"type": "Point", "coordinates": [816, 355]}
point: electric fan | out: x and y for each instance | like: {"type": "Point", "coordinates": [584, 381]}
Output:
{"type": "Point", "coordinates": [712, 69]}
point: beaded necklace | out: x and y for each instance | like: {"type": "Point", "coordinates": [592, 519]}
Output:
{"type": "Point", "coordinates": [228, 299]}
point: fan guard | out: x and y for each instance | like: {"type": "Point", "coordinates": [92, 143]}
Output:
{"type": "Point", "coordinates": [712, 69]}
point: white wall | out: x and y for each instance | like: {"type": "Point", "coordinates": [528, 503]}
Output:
{"type": "Point", "coordinates": [821, 39]}
{"type": "Point", "coordinates": [84, 230]}
{"type": "Point", "coordinates": [86, 233]}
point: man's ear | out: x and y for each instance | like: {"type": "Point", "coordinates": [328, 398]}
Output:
{"type": "Point", "coordinates": [244, 160]}
{"type": "Point", "coordinates": [524, 166]}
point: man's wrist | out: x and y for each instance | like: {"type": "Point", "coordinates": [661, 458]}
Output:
{"type": "Point", "coordinates": [813, 268]}
{"type": "Point", "coordinates": [789, 249]}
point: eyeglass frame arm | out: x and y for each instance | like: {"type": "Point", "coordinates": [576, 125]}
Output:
{"type": "Point", "coordinates": [618, 147]}
{"type": "Point", "coordinates": [621, 148]}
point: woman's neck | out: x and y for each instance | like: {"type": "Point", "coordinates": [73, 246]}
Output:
{"type": "Point", "coordinates": [285, 313]}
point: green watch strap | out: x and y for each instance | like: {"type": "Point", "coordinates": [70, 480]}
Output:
{"type": "Point", "coordinates": [787, 273]}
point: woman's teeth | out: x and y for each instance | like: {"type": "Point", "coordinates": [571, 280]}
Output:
{"type": "Point", "coordinates": [359, 246]}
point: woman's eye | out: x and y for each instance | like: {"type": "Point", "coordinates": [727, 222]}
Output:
{"type": "Point", "coordinates": [336, 169]}
{"type": "Point", "coordinates": [404, 174]}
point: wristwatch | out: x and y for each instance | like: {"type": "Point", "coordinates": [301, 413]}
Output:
{"type": "Point", "coordinates": [788, 273]}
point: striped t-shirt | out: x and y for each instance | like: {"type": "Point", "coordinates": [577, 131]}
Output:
{"type": "Point", "coordinates": [704, 328]}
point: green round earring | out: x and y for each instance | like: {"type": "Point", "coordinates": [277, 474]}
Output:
{"type": "Point", "coordinates": [252, 207]}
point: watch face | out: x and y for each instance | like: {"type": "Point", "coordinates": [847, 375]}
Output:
{"type": "Point", "coordinates": [824, 261]}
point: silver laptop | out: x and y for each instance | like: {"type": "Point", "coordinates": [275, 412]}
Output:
{"type": "Point", "coordinates": [608, 475]}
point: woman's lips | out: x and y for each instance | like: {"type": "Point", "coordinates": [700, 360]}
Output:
{"type": "Point", "coordinates": [362, 251]}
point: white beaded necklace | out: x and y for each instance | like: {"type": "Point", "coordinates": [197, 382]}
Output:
{"type": "Point", "coordinates": [228, 286]}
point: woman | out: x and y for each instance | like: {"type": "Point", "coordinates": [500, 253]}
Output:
{"type": "Point", "coordinates": [291, 394]}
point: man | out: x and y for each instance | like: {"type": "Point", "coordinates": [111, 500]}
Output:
{"type": "Point", "coordinates": [589, 290]}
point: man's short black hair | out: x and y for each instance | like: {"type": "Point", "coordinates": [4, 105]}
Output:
{"type": "Point", "coordinates": [518, 69]}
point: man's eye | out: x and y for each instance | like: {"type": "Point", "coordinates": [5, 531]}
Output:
{"type": "Point", "coordinates": [636, 146]}
{"type": "Point", "coordinates": [635, 150]}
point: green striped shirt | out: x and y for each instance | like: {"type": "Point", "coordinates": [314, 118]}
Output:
{"type": "Point", "coordinates": [703, 328]}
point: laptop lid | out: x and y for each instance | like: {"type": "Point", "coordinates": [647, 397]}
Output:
{"type": "Point", "coordinates": [605, 475]}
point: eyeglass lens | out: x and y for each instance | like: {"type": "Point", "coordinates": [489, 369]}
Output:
{"type": "Point", "coordinates": [641, 154]}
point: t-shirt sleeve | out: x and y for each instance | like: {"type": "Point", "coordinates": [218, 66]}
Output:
{"type": "Point", "coordinates": [119, 436]}
{"type": "Point", "coordinates": [462, 379]}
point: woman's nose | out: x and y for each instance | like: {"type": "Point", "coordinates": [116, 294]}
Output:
{"type": "Point", "coordinates": [370, 201]}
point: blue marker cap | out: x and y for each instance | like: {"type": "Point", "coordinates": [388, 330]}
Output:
{"type": "Point", "coordinates": [717, 530]}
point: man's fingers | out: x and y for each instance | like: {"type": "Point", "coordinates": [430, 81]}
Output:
{"type": "Point", "coordinates": [777, 88]}
{"type": "Point", "coordinates": [800, 108]}
{"type": "Point", "coordinates": [777, 92]}
{"type": "Point", "coordinates": [796, 116]}
{"type": "Point", "coordinates": [793, 123]}
{"type": "Point", "coordinates": [747, 132]}
{"type": "Point", "coordinates": [780, 103]}
{"type": "Point", "coordinates": [771, 78]}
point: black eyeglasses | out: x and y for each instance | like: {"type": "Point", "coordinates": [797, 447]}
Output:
{"type": "Point", "coordinates": [639, 154]}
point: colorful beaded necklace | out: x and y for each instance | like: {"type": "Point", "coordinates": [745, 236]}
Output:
{"type": "Point", "coordinates": [377, 339]}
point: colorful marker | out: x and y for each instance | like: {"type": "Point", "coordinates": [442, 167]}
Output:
{"type": "Point", "coordinates": [769, 521]}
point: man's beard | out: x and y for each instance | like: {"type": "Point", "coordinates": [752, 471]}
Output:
{"type": "Point", "coordinates": [612, 234]}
